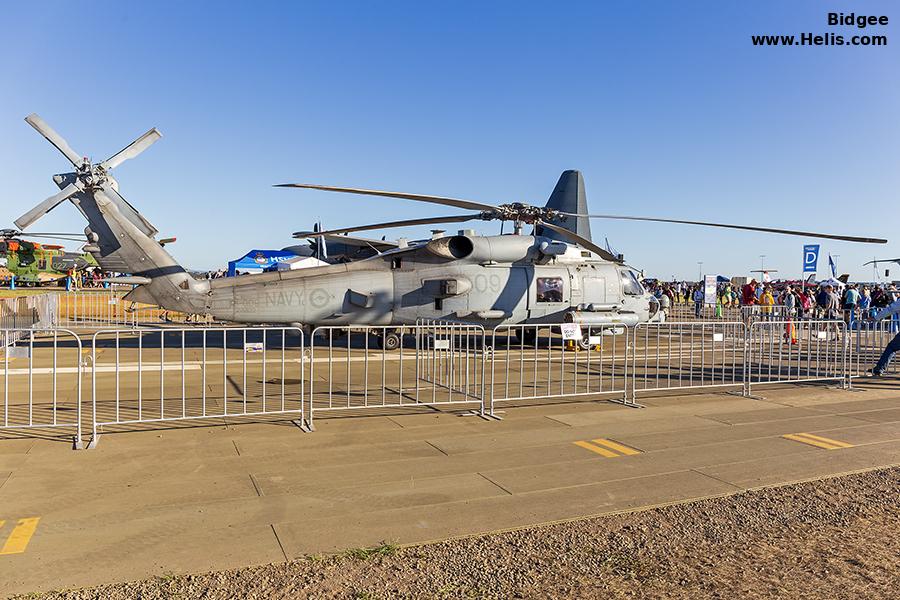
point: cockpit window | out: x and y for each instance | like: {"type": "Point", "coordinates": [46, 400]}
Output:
{"type": "Point", "coordinates": [549, 289]}
{"type": "Point", "coordinates": [630, 284]}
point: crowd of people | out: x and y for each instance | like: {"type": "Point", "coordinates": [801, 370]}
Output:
{"type": "Point", "coordinates": [802, 301]}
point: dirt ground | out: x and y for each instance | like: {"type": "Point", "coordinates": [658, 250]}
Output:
{"type": "Point", "coordinates": [832, 538]}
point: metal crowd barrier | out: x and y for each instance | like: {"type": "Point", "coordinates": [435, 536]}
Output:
{"type": "Point", "coordinates": [434, 365]}
{"type": "Point", "coordinates": [708, 312]}
{"type": "Point", "coordinates": [793, 351]}
{"type": "Point", "coordinates": [530, 362]}
{"type": "Point", "coordinates": [868, 341]}
{"type": "Point", "coordinates": [37, 311]}
{"type": "Point", "coordinates": [107, 308]}
{"type": "Point", "coordinates": [728, 313]}
{"type": "Point", "coordinates": [141, 376]}
{"type": "Point", "coordinates": [222, 373]}
{"type": "Point", "coordinates": [679, 356]}
{"type": "Point", "coordinates": [42, 381]}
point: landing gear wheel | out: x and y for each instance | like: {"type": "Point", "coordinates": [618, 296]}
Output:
{"type": "Point", "coordinates": [583, 343]}
{"type": "Point", "coordinates": [390, 341]}
{"type": "Point", "coordinates": [526, 335]}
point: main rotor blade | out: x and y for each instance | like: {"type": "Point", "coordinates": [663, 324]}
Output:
{"type": "Point", "coordinates": [389, 224]}
{"type": "Point", "coordinates": [830, 236]}
{"type": "Point", "coordinates": [132, 149]}
{"type": "Point", "coordinates": [46, 206]}
{"type": "Point", "coordinates": [458, 203]}
{"type": "Point", "coordinates": [54, 138]}
{"type": "Point", "coordinates": [582, 241]}
{"type": "Point", "coordinates": [881, 260]}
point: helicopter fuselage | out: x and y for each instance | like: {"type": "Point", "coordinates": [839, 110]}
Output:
{"type": "Point", "coordinates": [492, 280]}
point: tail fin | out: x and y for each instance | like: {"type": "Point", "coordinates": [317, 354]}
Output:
{"type": "Point", "coordinates": [118, 243]}
{"type": "Point", "coordinates": [568, 196]}
{"type": "Point", "coordinates": [119, 237]}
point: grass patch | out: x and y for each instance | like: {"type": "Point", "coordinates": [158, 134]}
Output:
{"type": "Point", "coordinates": [384, 549]}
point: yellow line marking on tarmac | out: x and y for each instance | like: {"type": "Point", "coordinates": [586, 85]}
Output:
{"type": "Point", "coordinates": [598, 449]}
{"type": "Point", "coordinates": [818, 441]}
{"type": "Point", "coordinates": [20, 536]}
{"type": "Point", "coordinates": [616, 446]}
{"type": "Point", "coordinates": [827, 440]}
{"type": "Point", "coordinates": [607, 448]}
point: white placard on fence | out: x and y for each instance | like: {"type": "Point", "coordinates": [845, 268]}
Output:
{"type": "Point", "coordinates": [253, 347]}
{"type": "Point", "coordinates": [571, 331]}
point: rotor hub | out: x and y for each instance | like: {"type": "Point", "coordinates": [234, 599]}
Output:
{"type": "Point", "coordinates": [524, 213]}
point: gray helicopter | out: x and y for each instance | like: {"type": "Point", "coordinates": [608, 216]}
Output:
{"type": "Point", "coordinates": [555, 274]}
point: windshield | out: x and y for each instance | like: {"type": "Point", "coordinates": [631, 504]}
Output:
{"type": "Point", "coordinates": [630, 284]}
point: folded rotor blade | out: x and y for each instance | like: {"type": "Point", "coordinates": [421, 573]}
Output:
{"type": "Point", "coordinates": [68, 238]}
{"type": "Point", "coordinates": [132, 149]}
{"type": "Point", "coordinates": [46, 206]}
{"type": "Point", "coordinates": [389, 224]}
{"type": "Point", "coordinates": [54, 138]}
{"type": "Point", "coordinates": [458, 203]}
{"type": "Point", "coordinates": [582, 241]}
{"type": "Point", "coordinates": [830, 236]}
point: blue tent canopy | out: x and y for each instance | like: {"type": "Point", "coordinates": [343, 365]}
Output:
{"type": "Point", "coordinates": [257, 260]}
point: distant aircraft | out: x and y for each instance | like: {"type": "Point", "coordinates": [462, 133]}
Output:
{"type": "Point", "coordinates": [34, 263]}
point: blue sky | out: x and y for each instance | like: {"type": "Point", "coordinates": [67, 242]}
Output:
{"type": "Point", "coordinates": [666, 108]}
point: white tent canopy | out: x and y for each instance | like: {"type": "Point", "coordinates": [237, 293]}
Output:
{"type": "Point", "coordinates": [301, 262]}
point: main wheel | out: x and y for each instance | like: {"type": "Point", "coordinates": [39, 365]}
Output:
{"type": "Point", "coordinates": [526, 335]}
{"type": "Point", "coordinates": [390, 341]}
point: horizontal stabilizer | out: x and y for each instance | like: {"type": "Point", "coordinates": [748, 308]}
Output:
{"type": "Point", "coordinates": [128, 280]}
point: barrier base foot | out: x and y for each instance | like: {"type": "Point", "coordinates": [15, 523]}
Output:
{"type": "Point", "coordinates": [482, 415]}
{"type": "Point", "coordinates": [77, 443]}
{"type": "Point", "coordinates": [93, 443]}
{"type": "Point", "coordinates": [844, 388]}
{"type": "Point", "coordinates": [627, 403]}
{"type": "Point", "coordinates": [748, 396]}
{"type": "Point", "coordinates": [304, 425]}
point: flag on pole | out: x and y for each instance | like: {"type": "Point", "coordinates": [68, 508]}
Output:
{"type": "Point", "coordinates": [810, 257]}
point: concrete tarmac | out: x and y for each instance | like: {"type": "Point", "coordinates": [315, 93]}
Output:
{"type": "Point", "coordinates": [220, 494]}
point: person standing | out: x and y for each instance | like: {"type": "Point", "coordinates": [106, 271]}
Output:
{"type": "Point", "coordinates": [698, 301]}
{"type": "Point", "coordinates": [851, 300]}
{"type": "Point", "coordinates": [892, 347]}
{"type": "Point", "coordinates": [865, 301]}
{"type": "Point", "coordinates": [767, 301]}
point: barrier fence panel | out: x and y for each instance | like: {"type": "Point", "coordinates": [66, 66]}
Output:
{"type": "Point", "coordinates": [529, 362]}
{"type": "Point", "coordinates": [38, 311]}
{"type": "Point", "coordinates": [729, 313]}
{"type": "Point", "coordinates": [707, 312]}
{"type": "Point", "coordinates": [678, 356]}
{"type": "Point", "coordinates": [107, 308]}
{"type": "Point", "coordinates": [150, 376]}
{"type": "Point", "coordinates": [41, 381]}
{"type": "Point", "coordinates": [868, 341]}
{"type": "Point", "coordinates": [793, 351]}
{"type": "Point", "coordinates": [92, 308]}
{"type": "Point", "coordinates": [436, 364]}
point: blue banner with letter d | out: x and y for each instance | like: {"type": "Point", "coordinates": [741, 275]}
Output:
{"type": "Point", "coordinates": [810, 258]}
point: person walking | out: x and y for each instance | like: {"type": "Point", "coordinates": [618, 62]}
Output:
{"type": "Point", "coordinates": [892, 347]}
